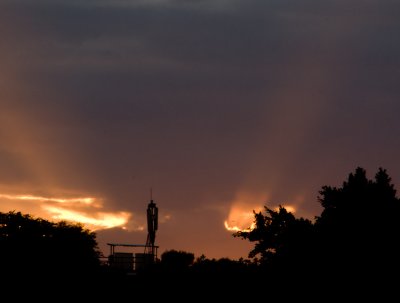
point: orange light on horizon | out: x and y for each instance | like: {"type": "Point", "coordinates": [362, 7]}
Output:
{"type": "Point", "coordinates": [83, 210]}
{"type": "Point", "coordinates": [101, 220]}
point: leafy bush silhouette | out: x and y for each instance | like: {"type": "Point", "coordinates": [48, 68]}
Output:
{"type": "Point", "coordinates": [36, 246]}
{"type": "Point", "coordinates": [176, 261]}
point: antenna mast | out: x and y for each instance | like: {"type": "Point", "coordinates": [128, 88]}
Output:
{"type": "Point", "coordinates": [152, 225]}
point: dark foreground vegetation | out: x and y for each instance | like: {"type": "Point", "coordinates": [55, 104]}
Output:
{"type": "Point", "coordinates": [350, 251]}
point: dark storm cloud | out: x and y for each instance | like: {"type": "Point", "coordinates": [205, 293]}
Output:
{"type": "Point", "coordinates": [200, 99]}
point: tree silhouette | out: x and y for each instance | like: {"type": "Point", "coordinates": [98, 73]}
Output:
{"type": "Point", "coordinates": [281, 240]}
{"type": "Point", "coordinates": [36, 246]}
{"type": "Point", "coordinates": [359, 226]}
{"type": "Point", "coordinates": [354, 239]}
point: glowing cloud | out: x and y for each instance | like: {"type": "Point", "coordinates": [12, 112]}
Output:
{"type": "Point", "coordinates": [289, 208]}
{"type": "Point", "coordinates": [96, 221]}
{"type": "Point", "coordinates": [165, 218]}
{"type": "Point", "coordinates": [87, 201]}
{"type": "Point", "coordinates": [241, 216]}
{"type": "Point", "coordinates": [83, 210]}
{"type": "Point", "coordinates": [240, 220]}
{"type": "Point", "coordinates": [236, 228]}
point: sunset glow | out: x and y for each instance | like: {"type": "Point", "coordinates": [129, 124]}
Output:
{"type": "Point", "coordinates": [289, 208]}
{"type": "Point", "coordinates": [83, 210]}
{"type": "Point", "coordinates": [88, 201]}
{"type": "Point", "coordinates": [102, 101]}
{"type": "Point", "coordinates": [241, 216]}
{"type": "Point", "coordinates": [240, 219]}
{"type": "Point", "coordinates": [95, 221]}
{"type": "Point", "coordinates": [236, 228]}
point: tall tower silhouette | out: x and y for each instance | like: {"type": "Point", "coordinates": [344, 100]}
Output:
{"type": "Point", "coordinates": [152, 226]}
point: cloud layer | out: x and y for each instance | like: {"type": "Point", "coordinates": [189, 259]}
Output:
{"type": "Point", "coordinates": [201, 100]}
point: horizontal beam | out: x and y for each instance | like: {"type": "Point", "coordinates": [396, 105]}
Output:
{"type": "Point", "coordinates": [128, 245]}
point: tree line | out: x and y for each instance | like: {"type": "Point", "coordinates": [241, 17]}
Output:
{"type": "Point", "coordinates": [354, 238]}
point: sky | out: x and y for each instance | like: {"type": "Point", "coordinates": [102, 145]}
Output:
{"type": "Point", "coordinates": [220, 107]}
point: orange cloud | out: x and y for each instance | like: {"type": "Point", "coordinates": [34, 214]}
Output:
{"type": "Point", "coordinates": [95, 221]}
{"type": "Point", "coordinates": [241, 216]}
{"type": "Point", "coordinates": [84, 210]}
